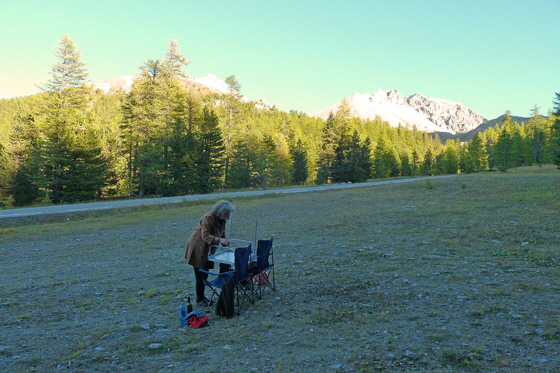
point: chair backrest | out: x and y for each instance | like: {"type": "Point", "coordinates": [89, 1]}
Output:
{"type": "Point", "coordinates": [242, 255]}
{"type": "Point", "coordinates": [263, 253]}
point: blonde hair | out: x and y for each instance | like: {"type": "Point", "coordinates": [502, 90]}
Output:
{"type": "Point", "coordinates": [221, 207]}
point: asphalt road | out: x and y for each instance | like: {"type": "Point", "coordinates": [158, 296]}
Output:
{"type": "Point", "coordinates": [78, 207]}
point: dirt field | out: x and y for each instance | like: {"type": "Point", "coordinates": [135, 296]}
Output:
{"type": "Point", "coordinates": [454, 275]}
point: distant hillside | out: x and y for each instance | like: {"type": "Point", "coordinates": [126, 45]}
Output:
{"type": "Point", "coordinates": [124, 83]}
{"type": "Point", "coordinates": [484, 126]}
{"type": "Point", "coordinates": [199, 86]}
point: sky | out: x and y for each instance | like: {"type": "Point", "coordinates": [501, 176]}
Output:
{"type": "Point", "coordinates": [304, 55]}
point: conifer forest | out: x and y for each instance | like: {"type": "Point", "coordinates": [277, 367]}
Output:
{"type": "Point", "coordinates": [169, 136]}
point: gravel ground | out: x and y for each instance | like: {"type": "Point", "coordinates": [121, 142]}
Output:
{"type": "Point", "coordinates": [394, 278]}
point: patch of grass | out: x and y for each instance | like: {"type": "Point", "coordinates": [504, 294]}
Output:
{"type": "Point", "coordinates": [429, 185]}
{"type": "Point", "coordinates": [150, 293]}
{"type": "Point", "coordinates": [436, 338]}
{"type": "Point", "coordinates": [8, 231]}
{"type": "Point", "coordinates": [78, 350]}
{"type": "Point", "coordinates": [461, 359]}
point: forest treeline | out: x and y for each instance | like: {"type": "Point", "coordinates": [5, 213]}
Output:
{"type": "Point", "coordinates": [169, 136]}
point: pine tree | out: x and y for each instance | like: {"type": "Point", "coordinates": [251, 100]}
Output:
{"type": "Point", "coordinates": [386, 160]}
{"type": "Point", "coordinates": [503, 151]}
{"type": "Point", "coordinates": [153, 106]}
{"type": "Point", "coordinates": [478, 153]}
{"type": "Point", "coordinates": [300, 163]}
{"type": "Point", "coordinates": [466, 162]}
{"type": "Point", "coordinates": [243, 169]}
{"type": "Point", "coordinates": [555, 132]}
{"type": "Point", "coordinates": [429, 165]}
{"type": "Point", "coordinates": [210, 156]}
{"type": "Point", "coordinates": [537, 133]}
{"type": "Point", "coordinates": [360, 159]}
{"type": "Point", "coordinates": [68, 147]}
{"type": "Point", "coordinates": [451, 156]}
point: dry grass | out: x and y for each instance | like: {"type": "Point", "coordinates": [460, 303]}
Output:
{"type": "Point", "coordinates": [458, 275]}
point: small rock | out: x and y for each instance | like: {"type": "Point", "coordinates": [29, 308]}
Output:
{"type": "Point", "coordinates": [524, 243]}
{"type": "Point", "coordinates": [155, 346]}
{"type": "Point", "coordinates": [543, 360]}
{"type": "Point", "coordinates": [145, 326]}
{"type": "Point", "coordinates": [336, 366]}
{"type": "Point", "coordinates": [539, 331]}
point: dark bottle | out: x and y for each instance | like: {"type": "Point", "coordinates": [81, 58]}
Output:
{"type": "Point", "coordinates": [189, 305]}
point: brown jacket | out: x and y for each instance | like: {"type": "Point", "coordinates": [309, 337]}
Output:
{"type": "Point", "coordinates": [203, 236]}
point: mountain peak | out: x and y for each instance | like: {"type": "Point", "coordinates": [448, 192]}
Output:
{"type": "Point", "coordinates": [213, 82]}
{"type": "Point", "coordinates": [114, 85]}
{"type": "Point", "coordinates": [426, 113]}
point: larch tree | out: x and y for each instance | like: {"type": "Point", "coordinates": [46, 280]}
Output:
{"type": "Point", "coordinates": [231, 105]}
{"type": "Point", "coordinates": [175, 60]}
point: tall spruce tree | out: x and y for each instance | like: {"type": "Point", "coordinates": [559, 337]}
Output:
{"type": "Point", "coordinates": [537, 133]}
{"type": "Point", "coordinates": [154, 104]}
{"type": "Point", "coordinates": [242, 168]}
{"type": "Point", "coordinates": [300, 163]}
{"type": "Point", "coordinates": [478, 153]}
{"type": "Point", "coordinates": [210, 161]}
{"type": "Point", "coordinates": [555, 131]}
{"type": "Point", "coordinates": [68, 150]}
{"type": "Point", "coordinates": [329, 144]}
{"type": "Point", "coordinates": [503, 151]}
{"type": "Point", "coordinates": [429, 165]}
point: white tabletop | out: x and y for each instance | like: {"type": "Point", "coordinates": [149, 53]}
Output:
{"type": "Point", "coordinates": [226, 255]}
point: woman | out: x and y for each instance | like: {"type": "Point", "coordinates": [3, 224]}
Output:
{"type": "Point", "coordinates": [211, 230]}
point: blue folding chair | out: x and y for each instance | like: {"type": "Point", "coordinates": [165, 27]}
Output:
{"type": "Point", "coordinates": [263, 275]}
{"type": "Point", "coordinates": [239, 275]}
{"type": "Point", "coordinates": [242, 277]}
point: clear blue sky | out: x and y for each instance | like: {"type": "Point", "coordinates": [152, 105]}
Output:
{"type": "Point", "coordinates": [491, 55]}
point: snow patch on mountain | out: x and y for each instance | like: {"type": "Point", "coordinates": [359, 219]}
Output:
{"type": "Point", "coordinates": [114, 85]}
{"type": "Point", "coordinates": [426, 113]}
{"type": "Point", "coordinates": [213, 82]}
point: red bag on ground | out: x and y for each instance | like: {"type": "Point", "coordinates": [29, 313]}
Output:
{"type": "Point", "coordinates": [197, 322]}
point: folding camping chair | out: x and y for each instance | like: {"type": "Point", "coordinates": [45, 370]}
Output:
{"type": "Point", "coordinates": [239, 275]}
{"type": "Point", "coordinates": [263, 275]}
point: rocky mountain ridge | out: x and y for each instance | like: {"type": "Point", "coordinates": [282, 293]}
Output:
{"type": "Point", "coordinates": [426, 113]}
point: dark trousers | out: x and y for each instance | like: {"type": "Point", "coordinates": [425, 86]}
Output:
{"type": "Point", "coordinates": [200, 277]}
